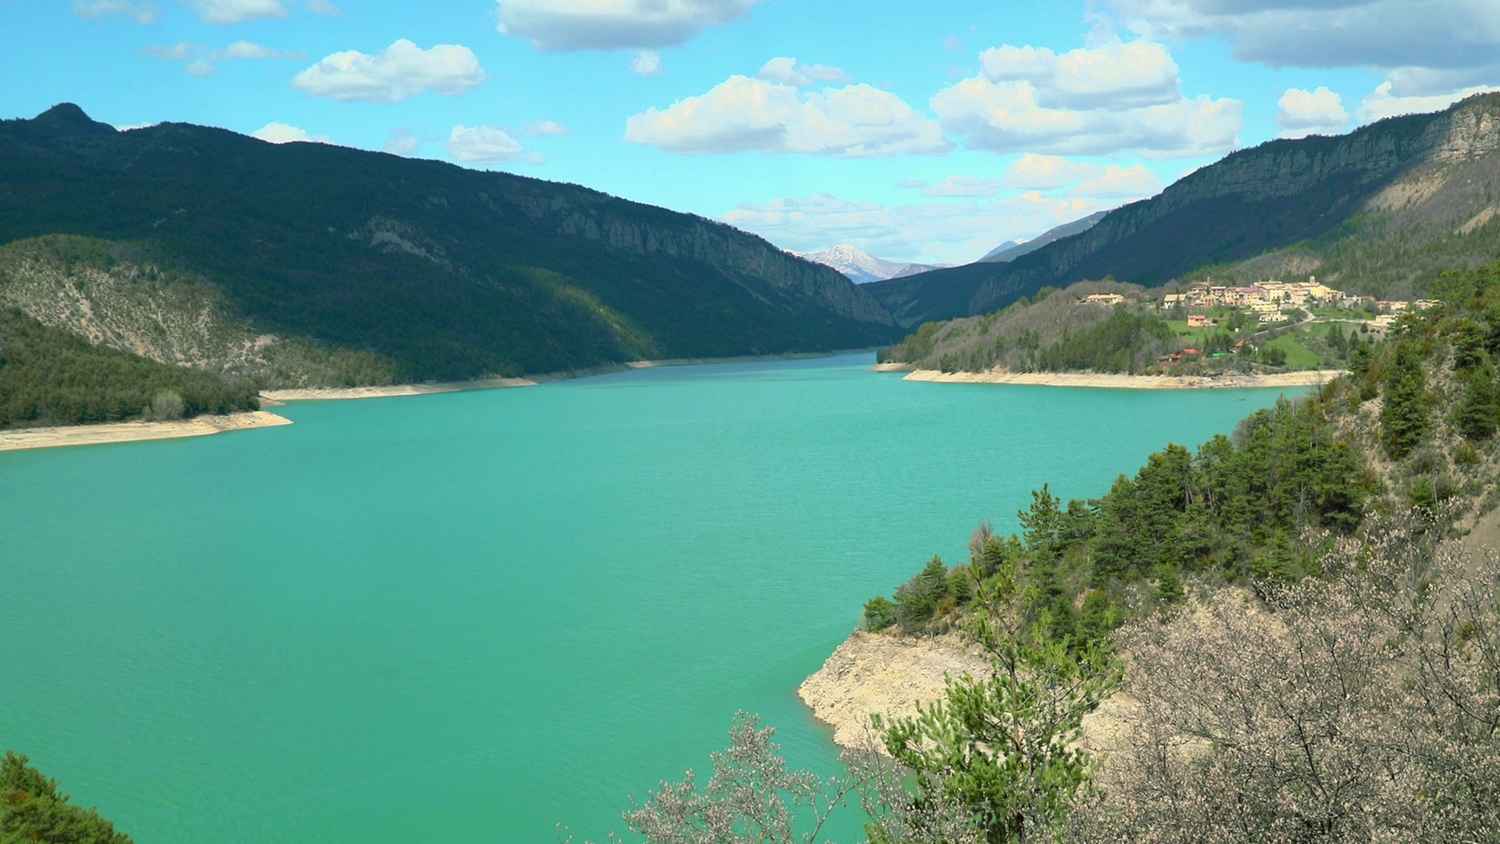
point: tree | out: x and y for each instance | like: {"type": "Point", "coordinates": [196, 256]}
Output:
{"type": "Point", "coordinates": [753, 796]}
{"type": "Point", "coordinates": [1042, 523]}
{"type": "Point", "coordinates": [1478, 412]}
{"type": "Point", "coordinates": [1404, 415]}
{"type": "Point", "coordinates": [33, 810]}
{"type": "Point", "coordinates": [1361, 706]}
{"type": "Point", "coordinates": [1005, 747]}
{"type": "Point", "coordinates": [918, 599]}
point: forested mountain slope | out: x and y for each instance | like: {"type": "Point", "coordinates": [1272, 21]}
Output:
{"type": "Point", "coordinates": [414, 270]}
{"type": "Point", "coordinates": [1381, 210]}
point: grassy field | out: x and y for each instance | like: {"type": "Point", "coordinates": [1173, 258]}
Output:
{"type": "Point", "coordinates": [1298, 355]}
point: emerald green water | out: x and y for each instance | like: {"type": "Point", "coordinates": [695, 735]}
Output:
{"type": "Point", "coordinates": [470, 617]}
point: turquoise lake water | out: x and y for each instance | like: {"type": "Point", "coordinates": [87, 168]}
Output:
{"type": "Point", "coordinates": [471, 617]}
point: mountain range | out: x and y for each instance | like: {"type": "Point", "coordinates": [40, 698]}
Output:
{"type": "Point", "coordinates": [1010, 249]}
{"type": "Point", "coordinates": [1382, 210]}
{"type": "Point", "coordinates": [861, 267]}
{"type": "Point", "coordinates": [307, 263]}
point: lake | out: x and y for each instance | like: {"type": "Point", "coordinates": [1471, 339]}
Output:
{"type": "Point", "coordinates": [473, 616]}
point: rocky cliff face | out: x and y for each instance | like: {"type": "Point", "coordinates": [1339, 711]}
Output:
{"type": "Point", "coordinates": [441, 272]}
{"type": "Point", "coordinates": [1377, 209]}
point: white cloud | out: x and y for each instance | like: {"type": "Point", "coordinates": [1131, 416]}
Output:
{"type": "Point", "coordinates": [1329, 33]}
{"type": "Point", "coordinates": [140, 12]}
{"type": "Point", "coordinates": [323, 7]}
{"type": "Point", "coordinates": [1008, 117]}
{"type": "Point", "coordinates": [401, 142]}
{"type": "Point", "coordinates": [742, 114]}
{"type": "Point", "coordinates": [201, 62]}
{"type": "Point", "coordinates": [786, 71]}
{"type": "Point", "coordinates": [401, 71]}
{"type": "Point", "coordinates": [546, 127]}
{"type": "Point", "coordinates": [646, 63]}
{"type": "Point", "coordinates": [483, 144]}
{"type": "Point", "coordinates": [943, 232]}
{"type": "Point", "coordinates": [131, 127]}
{"type": "Point", "coordinates": [283, 133]}
{"type": "Point", "coordinates": [614, 24]}
{"type": "Point", "coordinates": [1081, 178]}
{"type": "Point", "coordinates": [236, 11]}
{"type": "Point", "coordinates": [1044, 172]}
{"type": "Point", "coordinates": [181, 51]}
{"type": "Point", "coordinates": [1385, 103]}
{"type": "Point", "coordinates": [1115, 75]}
{"type": "Point", "coordinates": [1300, 112]}
{"type": "Point", "coordinates": [957, 186]}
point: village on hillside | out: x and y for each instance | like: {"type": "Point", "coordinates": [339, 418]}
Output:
{"type": "Point", "coordinates": [1299, 325]}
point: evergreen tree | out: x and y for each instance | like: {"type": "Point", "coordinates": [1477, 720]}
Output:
{"type": "Point", "coordinates": [1404, 416]}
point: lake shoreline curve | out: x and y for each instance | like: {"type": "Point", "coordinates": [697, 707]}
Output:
{"type": "Point", "coordinates": [1121, 381]}
{"type": "Point", "coordinates": [26, 439]}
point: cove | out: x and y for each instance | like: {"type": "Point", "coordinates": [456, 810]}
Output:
{"type": "Point", "coordinates": [474, 616]}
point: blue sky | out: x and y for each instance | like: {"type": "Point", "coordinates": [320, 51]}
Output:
{"type": "Point", "coordinates": [918, 132]}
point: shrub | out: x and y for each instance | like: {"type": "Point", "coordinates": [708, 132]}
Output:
{"type": "Point", "coordinates": [879, 614]}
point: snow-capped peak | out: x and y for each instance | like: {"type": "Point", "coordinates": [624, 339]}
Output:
{"type": "Point", "coordinates": [860, 266]}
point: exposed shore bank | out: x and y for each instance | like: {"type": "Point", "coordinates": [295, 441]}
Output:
{"type": "Point", "coordinates": [1118, 381]}
{"type": "Point", "coordinates": [497, 383]}
{"type": "Point", "coordinates": [886, 674]}
{"type": "Point", "coordinates": [123, 432]}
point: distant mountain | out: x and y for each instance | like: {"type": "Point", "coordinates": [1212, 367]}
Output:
{"type": "Point", "coordinates": [1003, 248]}
{"type": "Point", "coordinates": [1382, 210]}
{"type": "Point", "coordinates": [860, 267]}
{"type": "Point", "coordinates": [1010, 250]}
{"type": "Point", "coordinates": [312, 263]}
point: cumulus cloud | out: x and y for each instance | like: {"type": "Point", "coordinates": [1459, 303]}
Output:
{"type": "Point", "coordinates": [1081, 178]}
{"type": "Point", "coordinates": [401, 142]}
{"type": "Point", "coordinates": [957, 186]}
{"type": "Point", "coordinates": [483, 145]}
{"type": "Point", "coordinates": [1115, 74]}
{"type": "Point", "coordinates": [401, 71]}
{"type": "Point", "coordinates": [546, 127]}
{"type": "Point", "coordinates": [1329, 33]}
{"type": "Point", "coordinates": [742, 114]}
{"type": "Point", "coordinates": [1318, 112]}
{"type": "Point", "coordinates": [646, 63]}
{"type": "Point", "coordinates": [140, 12]}
{"type": "Point", "coordinates": [202, 62]}
{"type": "Point", "coordinates": [786, 71]}
{"type": "Point", "coordinates": [1009, 117]}
{"type": "Point", "coordinates": [283, 133]}
{"type": "Point", "coordinates": [947, 232]}
{"type": "Point", "coordinates": [236, 11]}
{"type": "Point", "coordinates": [614, 24]}
{"type": "Point", "coordinates": [1433, 52]}
{"type": "Point", "coordinates": [1385, 102]}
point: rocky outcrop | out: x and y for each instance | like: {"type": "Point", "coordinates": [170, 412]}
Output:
{"type": "Point", "coordinates": [1375, 199]}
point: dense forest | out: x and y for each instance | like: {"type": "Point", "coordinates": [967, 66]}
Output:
{"type": "Point", "coordinates": [32, 809]}
{"type": "Point", "coordinates": [441, 272]}
{"type": "Point", "coordinates": [51, 377]}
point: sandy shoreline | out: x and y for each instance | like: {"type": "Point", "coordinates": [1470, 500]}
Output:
{"type": "Point", "coordinates": [1117, 381]}
{"type": "Point", "coordinates": [124, 432]}
{"type": "Point", "coordinates": [274, 397]}
{"type": "Point", "coordinates": [891, 367]}
{"type": "Point", "coordinates": [392, 391]}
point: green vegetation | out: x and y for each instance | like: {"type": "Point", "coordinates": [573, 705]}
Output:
{"type": "Point", "coordinates": [432, 271]}
{"type": "Point", "coordinates": [1281, 209]}
{"type": "Point", "coordinates": [1056, 332]}
{"type": "Point", "coordinates": [33, 810]}
{"type": "Point", "coordinates": [1231, 513]}
{"type": "Point", "coordinates": [50, 377]}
